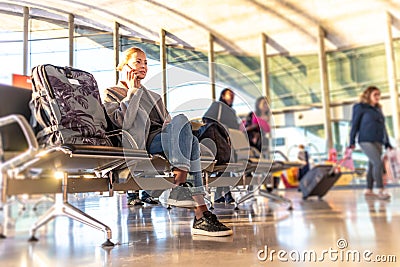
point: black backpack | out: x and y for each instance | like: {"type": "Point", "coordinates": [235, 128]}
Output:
{"type": "Point", "coordinates": [214, 136]}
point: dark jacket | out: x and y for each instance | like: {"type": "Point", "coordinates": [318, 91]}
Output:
{"type": "Point", "coordinates": [368, 125]}
{"type": "Point", "coordinates": [221, 112]}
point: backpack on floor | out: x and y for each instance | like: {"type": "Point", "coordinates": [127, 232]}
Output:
{"type": "Point", "coordinates": [66, 107]}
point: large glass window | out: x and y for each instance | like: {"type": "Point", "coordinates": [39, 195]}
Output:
{"type": "Point", "coordinates": [287, 140]}
{"type": "Point", "coordinates": [242, 74]}
{"type": "Point", "coordinates": [396, 46]}
{"type": "Point", "coordinates": [189, 89]}
{"type": "Point", "coordinates": [11, 47]}
{"type": "Point", "coordinates": [351, 71]}
{"type": "Point", "coordinates": [294, 80]}
{"type": "Point", "coordinates": [94, 53]}
{"type": "Point", "coordinates": [48, 43]}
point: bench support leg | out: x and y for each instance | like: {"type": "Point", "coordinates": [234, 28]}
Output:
{"type": "Point", "coordinates": [61, 207]}
{"type": "Point", "coordinates": [263, 193]}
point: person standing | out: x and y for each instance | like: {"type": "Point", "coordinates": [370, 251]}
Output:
{"type": "Point", "coordinates": [368, 126]}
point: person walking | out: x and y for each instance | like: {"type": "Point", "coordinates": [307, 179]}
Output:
{"type": "Point", "coordinates": [368, 127]}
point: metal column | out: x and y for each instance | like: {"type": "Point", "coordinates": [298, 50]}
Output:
{"type": "Point", "coordinates": [265, 86]}
{"type": "Point", "coordinates": [25, 41]}
{"type": "Point", "coordinates": [71, 30]}
{"type": "Point", "coordinates": [323, 71]}
{"type": "Point", "coordinates": [163, 62]}
{"type": "Point", "coordinates": [264, 67]}
{"type": "Point", "coordinates": [392, 77]}
{"type": "Point", "coordinates": [211, 66]}
{"type": "Point", "coordinates": [116, 49]}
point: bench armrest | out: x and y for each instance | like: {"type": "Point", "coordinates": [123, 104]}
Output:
{"type": "Point", "coordinates": [29, 136]}
{"type": "Point", "coordinates": [25, 127]}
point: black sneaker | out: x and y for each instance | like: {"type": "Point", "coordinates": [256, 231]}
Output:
{"type": "Point", "coordinates": [150, 200]}
{"type": "Point", "coordinates": [135, 202]}
{"type": "Point", "coordinates": [210, 226]}
{"type": "Point", "coordinates": [181, 196]}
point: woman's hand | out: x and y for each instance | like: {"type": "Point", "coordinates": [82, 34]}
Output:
{"type": "Point", "coordinates": [132, 80]}
{"type": "Point", "coordinates": [388, 147]}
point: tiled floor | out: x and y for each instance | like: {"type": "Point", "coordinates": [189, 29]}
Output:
{"type": "Point", "coordinates": [335, 230]}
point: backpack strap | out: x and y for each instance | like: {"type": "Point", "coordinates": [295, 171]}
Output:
{"type": "Point", "coordinates": [48, 130]}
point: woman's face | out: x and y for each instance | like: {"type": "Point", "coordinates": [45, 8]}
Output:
{"type": "Point", "coordinates": [229, 97]}
{"type": "Point", "coordinates": [263, 106]}
{"type": "Point", "coordinates": [137, 65]}
{"type": "Point", "coordinates": [375, 97]}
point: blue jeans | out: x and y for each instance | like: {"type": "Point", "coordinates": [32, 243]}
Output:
{"type": "Point", "coordinates": [375, 165]}
{"type": "Point", "coordinates": [181, 148]}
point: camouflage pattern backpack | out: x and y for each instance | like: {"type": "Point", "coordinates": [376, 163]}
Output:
{"type": "Point", "coordinates": [66, 106]}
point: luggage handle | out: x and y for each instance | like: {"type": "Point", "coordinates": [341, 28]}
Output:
{"type": "Point", "coordinates": [68, 72]}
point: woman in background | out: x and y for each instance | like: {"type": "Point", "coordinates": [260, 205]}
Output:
{"type": "Point", "coordinates": [368, 126]}
{"type": "Point", "coordinates": [257, 124]}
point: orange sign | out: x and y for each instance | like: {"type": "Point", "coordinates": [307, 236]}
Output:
{"type": "Point", "coordinates": [22, 81]}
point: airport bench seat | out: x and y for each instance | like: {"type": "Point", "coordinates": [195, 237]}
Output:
{"type": "Point", "coordinates": [28, 169]}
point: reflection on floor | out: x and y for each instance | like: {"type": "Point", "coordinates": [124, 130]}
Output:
{"type": "Point", "coordinates": [332, 232]}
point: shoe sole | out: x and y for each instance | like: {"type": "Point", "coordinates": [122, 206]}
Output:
{"type": "Point", "coordinates": [136, 204]}
{"type": "Point", "coordinates": [225, 239]}
{"type": "Point", "coordinates": [213, 234]}
{"type": "Point", "coordinates": [181, 204]}
{"type": "Point", "coordinates": [151, 203]}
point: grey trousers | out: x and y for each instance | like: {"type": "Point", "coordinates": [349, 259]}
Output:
{"type": "Point", "coordinates": [375, 166]}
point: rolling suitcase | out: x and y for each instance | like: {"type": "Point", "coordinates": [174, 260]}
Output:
{"type": "Point", "coordinates": [67, 106]}
{"type": "Point", "coordinates": [318, 180]}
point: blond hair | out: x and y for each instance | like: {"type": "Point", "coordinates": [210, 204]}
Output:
{"type": "Point", "coordinates": [365, 97]}
{"type": "Point", "coordinates": [128, 55]}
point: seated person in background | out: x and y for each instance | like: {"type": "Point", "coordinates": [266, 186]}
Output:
{"type": "Point", "coordinates": [222, 111]}
{"type": "Point", "coordinates": [257, 127]}
{"type": "Point", "coordinates": [257, 124]}
{"type": "Point", "coordinates": [142, 113]}
{"type": "Point", "coordinates": [303, 157]}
